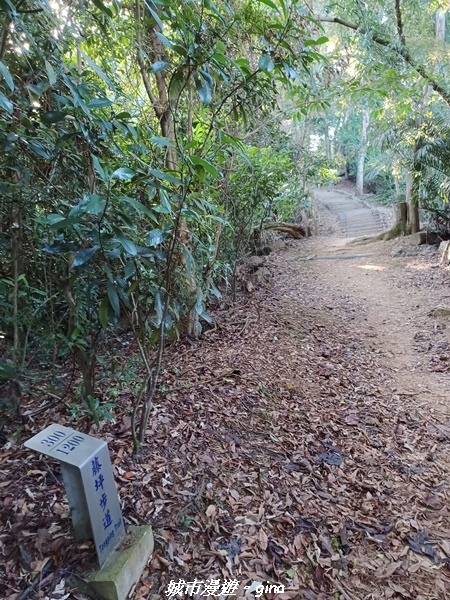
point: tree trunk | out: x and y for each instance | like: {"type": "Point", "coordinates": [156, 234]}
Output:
{"type": "Point", "coordinates": [401, 216]}
{"type": "Point", "coordinates": [327, 145]}
{"type": "Point", "coordinates": [440, 24]}
{"type": "Point", "coordinates": [396, 183]}
{"type": "Point", "coordinates": [412, 201]}
{"type": "Point", "coordinates": [159, 100]}
{"type": "Point", "coordinates": [362, 152]}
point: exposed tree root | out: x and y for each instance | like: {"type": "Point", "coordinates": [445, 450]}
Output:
{"type": "Point", "coordinates": [397, 231]}
{"type": "Point", "coordinates": [292, 229]}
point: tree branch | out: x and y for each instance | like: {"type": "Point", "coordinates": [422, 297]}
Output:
{"type": "Point", "coordinates": [398, 14]}
{"type": "Point", "coordinates": [401, 51]}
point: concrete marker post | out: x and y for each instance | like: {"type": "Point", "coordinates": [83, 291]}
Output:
{"type": "Point", "coordinates": [95, 510]}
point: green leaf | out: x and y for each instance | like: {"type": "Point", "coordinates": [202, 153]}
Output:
{"type": "Point", "coordinates": [177, 83]}
{"type": "Point", "coordinates": [220, 58]}
{"type": "Point", "coordinates": [165, 202]}
{"type": "Point", "coordinates": [123, 115]}
{"type": "Point", "coordinates": [159, 66]}
{"type": "Point", "coordinates": [130, 269]}
{"type": "Point", "coordinates": [6, 76]}
{"type": "Point", "coordinates": [124, 174]}
{"type": "Point", "coordinates": [127, 245]}
{"type": "Point", "coordinates": [113, 298]}
{"type": "Point", "coordinates": [204, 87]}
{"type": "Point", "coordinates": [50, 73]}
{"type": "Point", "coordinates": [83, 256]}
{"type": "Point", "coordinates": [148, 252]}
{"type": "Point", "coordinates": [77, 99]}
{"type": "Point", "coordinates": [7, 371]}
{"type": "Point", "coordinates": [100, 103]}
{"type": "Point", "coordinates": [58, 247]}
{"type": "Point", "coordinates": [99, 4]}
{"type": "Point", "coordinates": [200, 307]}
{"type": "Point", "coordinates": [155, 237]}
{"type": "Point", "coordinates": [165, 176]}
{"type": "Point", "coordinates": [6, 104]}
{"type": "Point", "coordinates": [219, 220]}
{"type": "Point", "coordinates": [220, 47]}
{"type": "Point", "coordinates": [209, 168]}
{"type": "Point", "coordinates": [53, 218]}
{"type": "Point", "coordinates": [152, 10]}
{"type": "Point", "coordinates": [204, 315]}
{"type": "Point", "coordinates": [266, 63]}
{"type": "Point", "coordinates": [161, 141]}
{"type": "Point", "coordinates": [139, 207]}
{"type": "Point", "coordinates": [165, 40]}
{"type": "Point", "coordinates": [38, 149]}
{"type": "Point", "coordinates": [162, 209]}
{"type": "Point", "coordinates": [95, 205]}
{"type": "Point", "coordinates": [290, 72]}
{"type": "Point", "coordinates": [321, 40]}
{"type": "Point", "coordinates": [98, 167]}
{"type": "Point", "coordinates": [53, 116]}
{"type": "Point", "coordinates": [97, 69]}
{"type": "Point", "coordinates": [103, 312]}
{"type": "Point", "coordinates": [201, 173]}
{"type": "Point", "coordinates": [39, 88]}
{"type": "Point", "coordinates": [6, 5]}
{"type": "Point", "coordinates": [214, 290]}
{"type": "Point", "coordinates": [269, 3]}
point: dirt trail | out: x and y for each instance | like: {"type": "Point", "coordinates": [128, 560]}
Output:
{"type": "Point", "coordinates": [386, 361]}
{"type": "Point", "coordinates": [398, 285]}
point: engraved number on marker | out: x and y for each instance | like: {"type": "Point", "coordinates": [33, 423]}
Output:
{"type": "Point", "coordinates": [53, 438]}
{"type": "Point", "coordinates": [71, 444]}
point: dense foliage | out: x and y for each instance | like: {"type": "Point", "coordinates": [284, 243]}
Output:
{"type": "Point", "coordinates": [143, 146]}
{"type": "Point", "coordinates": [123, 170]}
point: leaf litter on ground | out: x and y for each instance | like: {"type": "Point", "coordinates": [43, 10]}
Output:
{"type": "Point", "coordinates": [277, 451]}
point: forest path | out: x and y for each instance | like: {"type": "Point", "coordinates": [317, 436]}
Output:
{"type": "Point", "coordinates": [311, 425]}
{"type": "Point", "coordinates": [398, 286]}
{"type": "Point", "coordinates": [384, 362]}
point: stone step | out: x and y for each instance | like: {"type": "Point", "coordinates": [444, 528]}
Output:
{"type": "Point", "coordinates": [356, 218]}
{"type": "Point", "coordinates": [361, 224]}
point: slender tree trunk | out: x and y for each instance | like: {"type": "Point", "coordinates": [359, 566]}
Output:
{"type": "Point", "coordinates": [16, 272]}
{"type": "Point", "coordinates": [189, 132]}
{"type": "Point", "coordinates": [79, 67]}
{"type": "Point", "coordinates": [159, 97]}
{"type": "Point", "coordinates": [440, 24]}
{"type": "Point", "coordinates": [412, 201]}
{"type": "Point", "coordinates": [327, 145]}
{"type": "Point", "coordinates": [362, 152]}
{"type": "Point", "coordinates": [396, 184]}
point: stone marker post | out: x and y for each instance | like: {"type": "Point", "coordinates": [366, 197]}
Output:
{"type": "Point", "coordinates": [95, 509]}
{"type": "Point", "coordinates": [89, 482]}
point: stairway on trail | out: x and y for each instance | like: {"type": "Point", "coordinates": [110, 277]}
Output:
{"type": "Point", "coordinates": [356, 219]}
